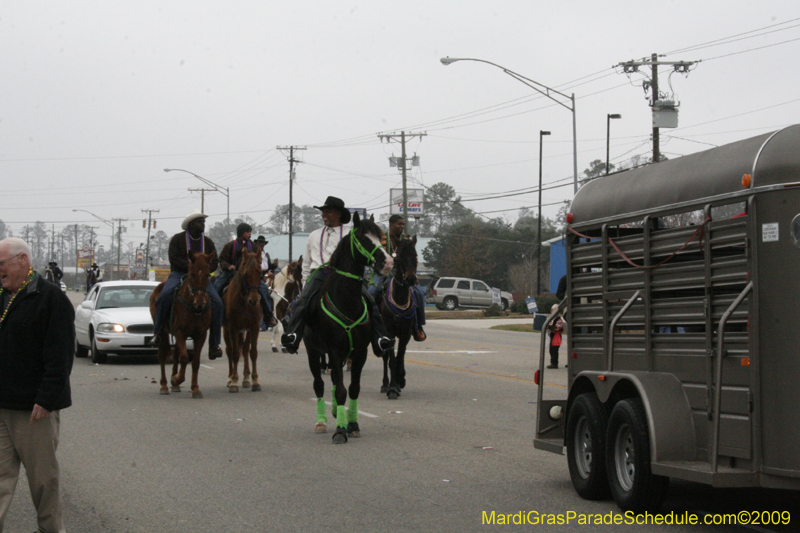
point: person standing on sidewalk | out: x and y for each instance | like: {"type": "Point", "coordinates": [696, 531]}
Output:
{"type": "Point", "coordinates": [37, 341]}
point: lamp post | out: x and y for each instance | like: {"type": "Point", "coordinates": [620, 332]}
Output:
{"type": "Point", "coordinates": [226, 190]}
{"type": "Point", "coordinates": [543, 89]}
{"type": "Point", "coordinates": [104, 221]}
{"type": "Point", "coordinates": [539, 231]}
{"type": "Point", "coordinates": [608, 136]}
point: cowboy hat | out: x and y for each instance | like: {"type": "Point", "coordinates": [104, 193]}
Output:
{"type": "Point", "coordinates": [331, 202]}
{"type": "Point", "coordinates": [261, 239]}
{"type": "Point", "coordinates": [193, 215]}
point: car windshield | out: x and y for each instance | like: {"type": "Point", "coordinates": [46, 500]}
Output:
{"type": "Point", "coordinates": [124, 296]}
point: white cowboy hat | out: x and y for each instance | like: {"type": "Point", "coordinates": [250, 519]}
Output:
{"type": "Point", "coordinates": [193, 215]}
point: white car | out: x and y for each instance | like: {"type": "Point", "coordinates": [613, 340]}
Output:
{"type": "Point", "coordinates": [115, 318]}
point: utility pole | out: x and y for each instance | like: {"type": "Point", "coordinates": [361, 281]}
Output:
{"type": "Point", "coordinates": [119, 242]}
{"type": "Point", "coordinates": [655, 100]}
{"type": "Point", "coordinates": [292, 161]}
{"type": "Point", "coordinates": [202, 197]}
{"type": "Point", "coordinates": [77, 286]}
{"type": "Point", "coordinates": [403, 166]}
{"type": "Point", "coordinates": [149, 223]}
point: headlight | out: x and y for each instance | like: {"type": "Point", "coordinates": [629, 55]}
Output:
{"type": "Point", "coordinates": [107, 327]}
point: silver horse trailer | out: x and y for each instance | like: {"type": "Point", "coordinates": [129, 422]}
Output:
{"type": "Point", "coordinates": [683, 305]}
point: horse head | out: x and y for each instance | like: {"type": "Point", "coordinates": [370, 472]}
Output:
{"type": "Point", "coordinates": [249, 274]}
{"type": "Point", "coordinates": [294, 273]}
{"type": "Point", "coordinates": [366, 246]}
{"type": "Point", "coordinates": [197, 280]}
{"type": "Point", "coordinates": [406, 261]}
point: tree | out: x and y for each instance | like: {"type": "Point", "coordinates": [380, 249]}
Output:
{"type": "Point", "coordinates": [5, 231]}
{"type": "Point", "coordinates": [161, 245]}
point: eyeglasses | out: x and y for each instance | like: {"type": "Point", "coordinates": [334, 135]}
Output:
{"type": "Point", "coordinates": [3, 262]}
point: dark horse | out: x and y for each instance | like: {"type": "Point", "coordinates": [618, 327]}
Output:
{"type": "Point", "coordinates": [338, 323]}
{"type": "Point", "coordinates": [284, 287]}
{"type": "Point", "coordinates": [243, 320]}
{"type": "Point", "coordinates": [91, 279]}
{"type": "Point", "coordinates": [399, 311]}
{"type": "Point", "coordinates": [190, 317]}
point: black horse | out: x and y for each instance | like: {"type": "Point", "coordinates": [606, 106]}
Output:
{"type": "Point", "coordinates": [338, 324]}
{"type": "Point", "coordinates": [399, 310]}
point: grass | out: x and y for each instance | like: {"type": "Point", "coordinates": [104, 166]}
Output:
{"type": "Point", "coordinates": [525, 328]}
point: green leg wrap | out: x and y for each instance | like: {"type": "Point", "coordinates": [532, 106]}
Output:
{"type": "Point", "coordinates": [341, 417]}
{"type": "Point", "coordinates": [352, 411]}
{"type": "Point", "coordinates": [321, 415]}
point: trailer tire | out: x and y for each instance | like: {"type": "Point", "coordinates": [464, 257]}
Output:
{"type": "Point", "coordinates": [633, 485]}
{"type": "Point", "coordinates": [586, 432]}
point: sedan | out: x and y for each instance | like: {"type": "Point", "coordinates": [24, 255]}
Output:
{"type": "Point", "coordinates": [115, 318]}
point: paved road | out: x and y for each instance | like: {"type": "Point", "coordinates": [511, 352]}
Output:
{"type": "Point", "coordinates": [456, 444]}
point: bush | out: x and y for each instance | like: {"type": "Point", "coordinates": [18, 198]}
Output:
{"type": "Point", "coordinates": [494, 310]}
{"type": "Point", "coordinates": [519, 307]}
{"type": "Point", "coordinates": [545, 302]}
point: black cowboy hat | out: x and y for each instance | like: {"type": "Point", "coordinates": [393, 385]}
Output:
{"type": "Point", "coordinates": [261, 239]}
{"type": "Point", "coordinates": [331, 202]}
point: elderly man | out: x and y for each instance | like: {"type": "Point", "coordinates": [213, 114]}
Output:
{"type": "Point", "coordinates": [191, 238]}
{"type": "Point", "coordinates": [37, 340]}
{"type": "Point", "coordinates": [229, 260]}
{"type": "Point", "coordinates": [321, 245]}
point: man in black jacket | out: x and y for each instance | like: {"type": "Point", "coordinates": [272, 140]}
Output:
{"type": "Point", "coordinates": [37, 340]}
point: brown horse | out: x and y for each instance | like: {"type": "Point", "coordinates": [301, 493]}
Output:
{"type": "Point", "coordinates": [243, 320]}
{"type": "Point", "coordinates": [191, 317]}
{"type": "Point", "coordinates": [284, 287]}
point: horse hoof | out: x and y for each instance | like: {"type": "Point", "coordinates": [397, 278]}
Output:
{"type": "Point", "coordinates": [176, 388]}
{"type": "Point", "coordinates": [163, 391]}
{"type": "Point", "coordinates": [340, 437]}
{"type": "Point", "coordinates": [275, 349]}
{"type": "Point", "coordinates": [384, 389]}
{"type": "Point", "coordinates": [245, 384]}
{"type": "Point", "coordinates": [393, 395]}
{"type": "Point", "coordinates": [284, 350]}
{"type": "Point", "coordinates": [255, 388]}
{"type": "Point", "coordinates": [321, 427]}
{"type": "Point", "coordinates": [233, 388]}
{"type": "Point", "coordinates": [197, 394]}
{"type": "Point", "coordinates": [353, 431]}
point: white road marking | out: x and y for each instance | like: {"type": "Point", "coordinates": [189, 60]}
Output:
{"type": "Point", "coordinates": [368, 415]}
{"type": "Point", "coordinates": [206, 366]}
{"type": "Point", "coordinates": [451, 352]}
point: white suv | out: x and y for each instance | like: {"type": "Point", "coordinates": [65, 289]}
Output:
{"type": "Point", "coordinates": [451, 293]}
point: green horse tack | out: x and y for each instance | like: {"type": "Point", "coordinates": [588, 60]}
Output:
{"type": "Point", "coordinates": [321, 416]}
{"type": "Point", "coordinates": [352, 411]}
{"type": "Point", "coordinates": [341, 417]}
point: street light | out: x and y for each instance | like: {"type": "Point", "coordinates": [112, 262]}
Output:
{"type": "Point", "coordinates": [539, 231]}
{"type": "Point", "coordinates": [543, 89]}
{"type": "Point", "coordinates": [608, 136]}
{"type": "Point", "coordinates": [226, 191]}
{"type": "Point", "coordinates": [104, 221]}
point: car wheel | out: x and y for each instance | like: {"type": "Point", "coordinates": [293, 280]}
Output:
{"type": "Point", "coordinates": [80, 351]}
{"type": "Point", "coordinates": [586, 431]}
{"type": "Point", "coordinates": [97, 356]}
{"type": "Point", "coordinates": [450, 303]}
{"type": "Point", "coordinates": [504, 304]}
{"type": "Point", "coordinates": [634, 486]}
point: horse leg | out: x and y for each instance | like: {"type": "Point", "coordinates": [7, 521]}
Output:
{"type": "Point", "coordinates": [253, 358]}
{"type": "Point", "coordinates": [277, 331]}
{"type": "Point", "coordinates": [233, 350]}
{"type": "Point", "coordinates": [385, 382]}
{"type": "Point", "coordinates": [163, 359]}
{"type": "Point", "coordinates": [198, 345]}
{"type": "Point", "coordinates": [244, 343]}
{"type": "Point", "coordinates": [401, 361]}
{"type": "Point", "coordinates": [393, 390]}
{"type": "Point", "coordinates": [319, 391]}
{"type": "Point", "coordinates": [354, 390]}
{"type": "Point", "coordinates": [340, 399]}
{"type": "Point", "coordinates": [181, 357]}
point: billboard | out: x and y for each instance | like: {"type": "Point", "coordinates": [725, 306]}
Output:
{"type": "Point", "coordinates": [85, 257]}
{"type": "Point", "coordinates": [416, 198]}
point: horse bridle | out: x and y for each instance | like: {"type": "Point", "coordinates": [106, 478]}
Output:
{"type": "Point", "coordinates": [192, 290]}
{"type": "Point", "coordinates": [354, 242]}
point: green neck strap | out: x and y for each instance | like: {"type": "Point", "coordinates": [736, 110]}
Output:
{"type": "Point", "coordinates": [347, 328]}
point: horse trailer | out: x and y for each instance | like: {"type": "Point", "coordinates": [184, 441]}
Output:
{"type": "Point", "coordinates": [682, 305]}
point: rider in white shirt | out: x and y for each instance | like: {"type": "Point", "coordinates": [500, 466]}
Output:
{"type": "Point", "coordinates": [321, 245]}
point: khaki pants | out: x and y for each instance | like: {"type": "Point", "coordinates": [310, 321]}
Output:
{"type": "Point", "coordinates": [33, 445]}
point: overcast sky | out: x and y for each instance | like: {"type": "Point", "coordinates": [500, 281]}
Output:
{"type": "Point", "coordinates": [98, 97]}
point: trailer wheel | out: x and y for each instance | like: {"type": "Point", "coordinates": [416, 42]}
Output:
{"type": "Point", "coordinates": [634, 487]}
{"type": "Point", "coordinates": [586, 431]}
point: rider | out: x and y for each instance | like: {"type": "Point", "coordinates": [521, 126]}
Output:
{"type": "Point", "coordinates": [98, 275]}
{"type": "Point", "coordinates": [229, 263]}
{"type": "Point", "coordinates": [52, 273]}
{"type": "Point", "coordinates": [192, 238]}
{"type": "Point", "coordinates": [391, 241]}
{"type": "Point", "coordinates": [321, 245]}
{"type": "Point", "coordinates": [266, 266]}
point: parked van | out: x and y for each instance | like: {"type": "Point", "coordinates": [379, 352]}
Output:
{"type": "Point", "coordinates": [451, 293]}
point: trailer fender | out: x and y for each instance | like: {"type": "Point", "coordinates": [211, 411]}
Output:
{"type": "Point", "coordinates": [669, 415]}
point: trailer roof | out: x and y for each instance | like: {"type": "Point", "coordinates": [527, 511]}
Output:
{"type": "Point", "coordinates": [771, 158]}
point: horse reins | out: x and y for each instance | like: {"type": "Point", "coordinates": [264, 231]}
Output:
{"type": "Point", "coordinates": [192, 290]}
